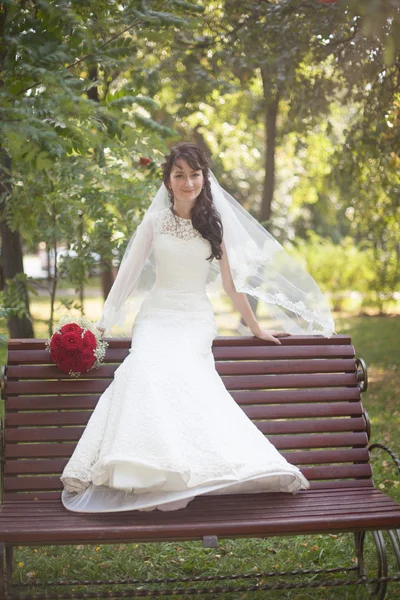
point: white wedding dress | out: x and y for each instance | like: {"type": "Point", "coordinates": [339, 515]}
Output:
{"type": "Point", "coordinates": [166, 429]}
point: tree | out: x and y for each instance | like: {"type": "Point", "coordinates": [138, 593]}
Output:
{"type": "Point", "coordinates": [224, 59]}
{"type": "Point", "coordinates": [367, 172]}
{"type": "Point", "coordinates": [52, 118]}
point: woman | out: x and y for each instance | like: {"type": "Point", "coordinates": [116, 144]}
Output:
{"type": "Point", "coordinates": [166, 429]}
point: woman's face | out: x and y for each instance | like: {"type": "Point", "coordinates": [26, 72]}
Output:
{"type": "Point", "coordinates": [185, 182]}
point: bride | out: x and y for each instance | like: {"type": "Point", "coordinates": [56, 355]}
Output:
{"type": "Point", "coordinates": [166, 429]}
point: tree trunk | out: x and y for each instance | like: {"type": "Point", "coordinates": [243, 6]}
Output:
{"type": "Point", "coordinates": [11, 254]}
{"type": "Point", "coordinates": [271, 98]}
{"type": "Point", "coordinates": [271, 114]}
{"type": "Point", "coordinates": [106, 273]}
{"type": "Point", "coordinates": [107, 276]}
{"type": "Point", "coordinates": [11, 247]}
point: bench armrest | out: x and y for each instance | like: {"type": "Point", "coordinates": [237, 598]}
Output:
{"type": "Point", "coordinates": [389, 451]}
{"type": "Point", "coordinates": [362, 374]}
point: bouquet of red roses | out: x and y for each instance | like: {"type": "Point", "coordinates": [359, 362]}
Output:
{"type": "Point", "coordinates": [76, 346]}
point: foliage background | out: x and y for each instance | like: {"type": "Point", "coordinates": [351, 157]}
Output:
{"type": "Point", "coordinates": [302, 127]}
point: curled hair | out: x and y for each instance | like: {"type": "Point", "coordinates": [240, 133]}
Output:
{"type": "Point", "coordinates": [205, 217]}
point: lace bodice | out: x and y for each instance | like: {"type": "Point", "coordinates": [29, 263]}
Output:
{"type": "Point", "coordinates": [181, 269]}
{"type": "Point", "coordinates": [180, 253]}
{"type": "Point", "coordinates": [165, 222]}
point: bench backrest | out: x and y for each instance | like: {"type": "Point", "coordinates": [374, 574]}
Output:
{"type": "Point", "coordinates": [303, 395]}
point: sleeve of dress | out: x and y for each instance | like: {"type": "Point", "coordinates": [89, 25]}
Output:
{"type": "Point", "coordinates": [116, 306]}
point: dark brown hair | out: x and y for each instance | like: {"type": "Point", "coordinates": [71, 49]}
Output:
{"type": "Point", "coordinates": [205, 217]}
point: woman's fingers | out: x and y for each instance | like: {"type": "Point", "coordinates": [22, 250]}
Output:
{"type": "Point", "coordinates": [269, 337]}
{"type": "Point", "coordinates": [272, 336]}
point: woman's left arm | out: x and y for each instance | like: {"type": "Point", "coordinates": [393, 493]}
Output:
{"type": "Point", "coordinates": [241, 303]}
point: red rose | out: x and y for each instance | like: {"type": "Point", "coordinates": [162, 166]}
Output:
{"type": "Point", "coordinates": [71, 328]}
{"type": "Point", "coordinates": [89, 340]}
{"type": "Point", "coordinates": [56, 354]}
{"type": "Point", "coordinates": [144, 161]}
{"type": "Point", "coordinates": [64, 365]}
{"type": "Point", "coordinates": [55, 343]}
{"type": "Point", "coordinates": [87, 360]}
{"type": "Point", "coordinates": [71, 341]}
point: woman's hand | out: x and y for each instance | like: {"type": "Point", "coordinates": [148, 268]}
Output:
{"type": "Point", "coordinates": [102, 330]}
{"type": "Point", "coordinates": [269, 336]}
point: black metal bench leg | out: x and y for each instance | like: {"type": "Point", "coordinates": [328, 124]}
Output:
{"type": "Point", "coordinates": [359, 555]}
{"type": "Point", "coordinates": [394, 535]}
{"type": "Point", "coordinates": [9, 565]}
{"type": "Point", "coordinates": [2, 572]}
{"type": "Point", "coordinates": [377, 590]}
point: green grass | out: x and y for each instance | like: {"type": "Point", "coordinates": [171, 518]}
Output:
{"type": "Point", "coordinates": [375, 340]}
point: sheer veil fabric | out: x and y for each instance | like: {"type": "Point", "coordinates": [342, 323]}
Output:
{"type": "Point", "coordinates": [260, 268]}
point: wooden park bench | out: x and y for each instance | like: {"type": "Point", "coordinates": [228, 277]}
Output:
{"type": "Point", "coordinates": [304, 395]}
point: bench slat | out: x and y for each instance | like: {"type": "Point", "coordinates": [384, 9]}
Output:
{"type": "Point", "coordinates": [46, 434]}
{"type": "Point", "coordinates": [339, 483]}
{"type": "Point", "coordinates": [292, 411]}
{"type": "Point", "coordinates": [292, 396]}
{"type": "Point", "coordinates": [289, 442]}
{"type": "Point", "coordinates": [242, 397]}
{"type": "Point", "coordinates": [337, 339]}
{"type": "Point", "coordinates": [42, 356]}
{"type": "Point", "coordinates": [231, 383]}
{"type": "Point", "coordinates": [34, 434]}
{"type": "Point", "coordinates": [315, 486]}
{"type": "Point", "coordinates": [55, 434]}
{"type": "Point", "coordinates": [337, 471]}
{"type": "Point", "coordinates": [282, 352]}
{"type": "Point", "coordinates": [313, 426]}
{"type": "Point", "coordinates": [56, 465]}
{"type": "Point", "coordinates": [327, 456]}
{"type": "Point", "coordinates": [323, 472]}
{"type": "Point", "coordinates": [15, 403]}
{"type": "Point", "coordinates": [336, 365]}
{"type": "Point", "coordinates": [311, 380]}
{"type": "Point", "coordinates": [265, 351]}
{"type": "Point", "coordinates": [320, 440]}
{"type": "Point", "coordinates": [71, 386]}
{"type": "Point", "coordinates": [223, 368]}
{"type": "Point", "coordinates": [289, 411]}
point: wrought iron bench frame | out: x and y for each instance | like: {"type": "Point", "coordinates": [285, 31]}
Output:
{"type": "Point", "coordinates": [274, 384]}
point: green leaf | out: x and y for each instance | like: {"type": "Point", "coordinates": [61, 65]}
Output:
{"type": "Point", "coordinates": [43, 161]}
